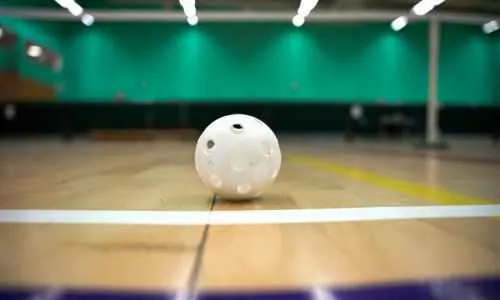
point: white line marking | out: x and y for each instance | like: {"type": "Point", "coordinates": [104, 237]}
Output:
{"type": "Point", "coordinates": [284, 216]}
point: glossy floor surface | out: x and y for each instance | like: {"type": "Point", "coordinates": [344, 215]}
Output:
{"type": "Point", "coordinates": [319, 175]}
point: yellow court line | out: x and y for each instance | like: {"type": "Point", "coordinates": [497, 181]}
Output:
{"type": "Point", "coordinates": [422, 191]}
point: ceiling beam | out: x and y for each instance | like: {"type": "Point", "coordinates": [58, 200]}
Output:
{"type": "Point", "coordinates": [237, 16]}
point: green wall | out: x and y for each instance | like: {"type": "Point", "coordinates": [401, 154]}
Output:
{"type": "Point", "coordinates": [495, 72]}
{"type": "Point", "coordinates": [466, 66]}
{"type": "Point", "coordinates": [255, 61]}
{"type": "Point", "coordinates": [262, 62]}
{"type": "Point", "coordinates": [46, 34]}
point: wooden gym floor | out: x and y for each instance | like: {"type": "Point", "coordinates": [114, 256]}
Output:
{"type": "Point", "coordinates": [80, 216]}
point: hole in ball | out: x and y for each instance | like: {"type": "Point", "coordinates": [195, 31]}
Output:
{"type": "Point", "coordinates": [243, 188]}
{"type": "Point", "coordinates": [237, 126]}
{"type": "Point", "coordinates": [216, 181]}
{"type": "Point", "coordinates": [210, 144]}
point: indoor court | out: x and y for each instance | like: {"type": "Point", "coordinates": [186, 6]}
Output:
{"type": "Point", "coordinates": [108, 177]}
{"type": "Point", "coordinates": [389, 186]}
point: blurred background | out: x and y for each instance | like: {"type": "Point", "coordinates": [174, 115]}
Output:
{"type": "Point", "coordinates": [352, 67]}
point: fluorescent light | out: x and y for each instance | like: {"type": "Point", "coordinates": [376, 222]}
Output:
{"type": "Point", "coordinates": [34, 51]}
{"type": "Point", "coordinates": [438, 2]}
{"type": "Point", "coordinates": [63, 3]}
{"type": "Point", "coordinates": [190, 10]}
{"type": "Point", "coordinates": [187, 3]}
{"type": "Point", "coordinates": [1, 32]}
{"type": "Point", "coordinates": [491, 26]}
{"type": "Point", "coordinates": [399, 23]}
{"type": "Point", "coordinates": [87, 19]}
{"type": "Point", "coordinates": [189, 7]}
{"type": "Point", "coordinates": [298, 20]}
{"type": "Point", "coordinates": [422, 8]}
{"type": "Point", "coordinates": [425, 6]}
{"type": "Point", "coordinates": [75, 9]}
{"type": "Point", "coordinates": [192, 20]}
{"type": "Point", "coordinates": [306, 6]}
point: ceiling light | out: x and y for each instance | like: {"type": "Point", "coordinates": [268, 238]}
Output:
{"type": "Point", "coordinates": [422, 8]}
{"type": "Point", "coordinates": [425, 6]}
{"type": "Point", "coordinates": [306, 6]}
{"type": "Point", "coordinates": [437, 2]}
{"type": "Point", "coordinates": [189, 11]}
{"type": "Point", "coordinates": [298, 20]}
{"type": "Point", "coordinates": [399, 23]}
{"type": "Point", "coordinates": [192, 20]}
{"type": "Point", "coordinates": [75, 9]}
{"type": "Point", "coordinates": [87, 19]}
{"type": "Point", "coordinates": [491, 27]}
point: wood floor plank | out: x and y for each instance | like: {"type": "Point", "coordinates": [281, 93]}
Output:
{"type": "Point", "coordinates": [343, 254]}
{"type": "Point", "coordinates": [98, 256]}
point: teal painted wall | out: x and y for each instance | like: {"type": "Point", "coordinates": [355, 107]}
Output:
{"type": "Point", "coordinates": [274, 62]}
{"type": "Point", "coordinates": [495, 72]}
{"type": "Point", "coordinates": [262, 62]}
{"type": "Point", "coordinates": [466, 64]}
{"type": "Point", "coordinates": [46, 34]}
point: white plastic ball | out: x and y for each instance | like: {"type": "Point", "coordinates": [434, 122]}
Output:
{"type": "Point", "coordinates": [238, 157]}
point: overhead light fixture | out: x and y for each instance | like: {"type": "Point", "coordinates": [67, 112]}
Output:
{"type": "Point", "coordinates": [298, 20]}
{"type": "Point", "coordinates": [74, 8]}
{"type": "Point", "coordinates": [1, 32]}
{"type": "Point", "coordinates": [422, 8]}
{"type": "Point", "coordinates": [306, 7]}
{"type": "Point", "coordinates": [399, 23]}
{"type": "Point", "coordinates": [184, 3]}
{"type": "Point", "coordinates": [438, 2]}
{"type": "Point", "coordinates": [491, 26]}
{"type": "Point", "coordinates": [190, 11]}
{"type": "Point", "coordinates": [425, 6]}
{"type": "Point", "coordinates": [87, 19]}
{"type": "Point", "coordinates": [189, 7]}
{"type": "Point", "coordinates": [34, 51]}
{"type": "Point", "coordinates": [192, 20]}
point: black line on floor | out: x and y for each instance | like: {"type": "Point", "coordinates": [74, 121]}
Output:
{"type": "Point", "coordinates": [198, 260]}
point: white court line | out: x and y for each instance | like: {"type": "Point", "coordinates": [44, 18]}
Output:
{"type": "Point", "coordinates": [284, 216]}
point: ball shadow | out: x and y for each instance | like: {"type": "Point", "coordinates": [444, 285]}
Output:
{"type": "Point", "coordinates": [265, 201]}
{"type": "Point", "coordinates": [232, 201]}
